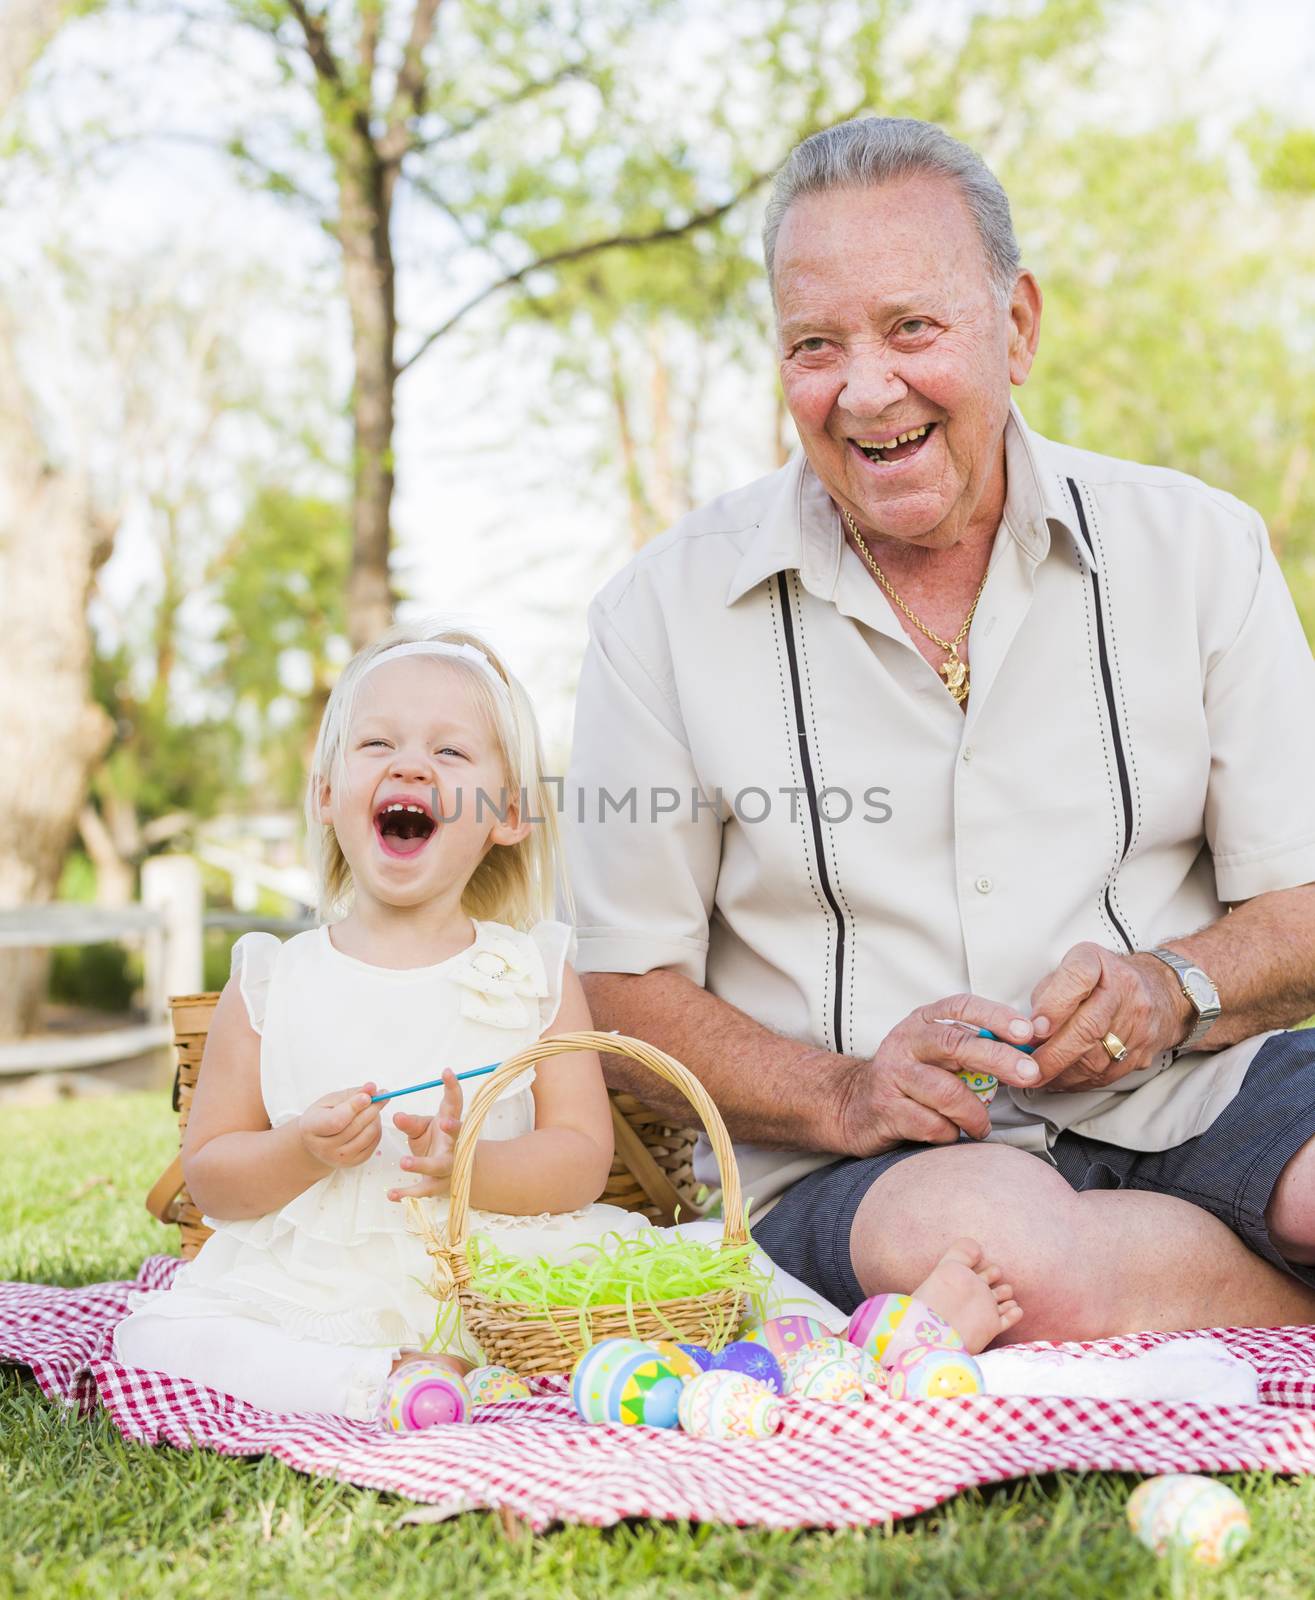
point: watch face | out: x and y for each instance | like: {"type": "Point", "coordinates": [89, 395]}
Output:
{"type": "Point", "coordinates": [1200, 989]}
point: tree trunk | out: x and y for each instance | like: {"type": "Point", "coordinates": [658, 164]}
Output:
{"type": "Point", "coordinates": [51, 732]}
{"type": "Point", "coordinates": [641, 520]}
{"type": "Point", "coordinates": [663, 446]}
{"type": "Point", "coordinates": [363, 233]}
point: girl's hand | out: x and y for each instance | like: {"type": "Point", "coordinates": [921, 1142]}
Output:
{"type": "Point", "coordinates": [343, 1128]}
{"type": "Point", "coordinates": [432, 1140]}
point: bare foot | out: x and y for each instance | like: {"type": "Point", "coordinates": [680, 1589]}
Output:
{"type": "Point", "coordinates": [967, 1292]}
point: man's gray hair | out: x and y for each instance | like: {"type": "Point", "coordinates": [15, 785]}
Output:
{"type": "Point", "coordinates": [869, 151]}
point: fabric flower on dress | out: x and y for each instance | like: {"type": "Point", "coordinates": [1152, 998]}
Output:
{"type": "Point", "coordinates": [501, 981]}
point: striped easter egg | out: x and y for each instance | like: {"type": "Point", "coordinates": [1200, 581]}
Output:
{"type": "Point", "coordinates": [593, 1372]}
{"type": "Point", "coordinates": [885, 1325]}
{"type": "Point", "coordinates": [783, 1336]}
{"type": "Point", "coordinates": [1184, 1511]}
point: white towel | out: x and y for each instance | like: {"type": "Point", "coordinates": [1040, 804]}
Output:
{"type": "Point", "coordinates": [1198, 1370]}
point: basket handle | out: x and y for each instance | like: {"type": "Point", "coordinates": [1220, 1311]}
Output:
{"type": "Point", "coordinates": [162, 1202]}
{"type": "Point", "coordinates": [617, 1044]}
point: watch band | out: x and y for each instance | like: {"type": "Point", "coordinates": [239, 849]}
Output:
{"type": "Point", "coordinates": [1206, 1015]}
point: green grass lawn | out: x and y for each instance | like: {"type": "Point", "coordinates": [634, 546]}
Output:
{"type": "Point", "coordinates": [84, 1514]}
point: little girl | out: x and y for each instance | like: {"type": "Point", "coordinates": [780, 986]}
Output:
{"type": "Point", "coordinates": [438, 856]}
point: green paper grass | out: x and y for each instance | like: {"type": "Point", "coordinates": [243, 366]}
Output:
{"type": "Point", "coordinates": [637, 1271]}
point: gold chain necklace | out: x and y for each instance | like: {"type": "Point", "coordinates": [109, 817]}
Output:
{"type": "Point", "coordinates": [954, 670]}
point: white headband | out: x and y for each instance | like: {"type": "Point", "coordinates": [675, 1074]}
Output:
{"type": "Point", "coordinates": [436, 647]}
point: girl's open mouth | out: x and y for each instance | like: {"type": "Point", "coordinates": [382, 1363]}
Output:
{"type": "Point", "coordinates": [403, 827]}
{"type": "Point", "coordinates": [901, 447]}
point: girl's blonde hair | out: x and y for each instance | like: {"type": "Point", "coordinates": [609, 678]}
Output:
{"type": "Point", "coordinates": [517, 884]}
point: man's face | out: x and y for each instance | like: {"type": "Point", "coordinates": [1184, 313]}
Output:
{"type": "Point", "coordinates": [887, 325]}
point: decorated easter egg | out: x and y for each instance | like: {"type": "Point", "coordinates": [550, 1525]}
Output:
{"type": "Point", "coordinates": [871, 1373]}
{"type": "Point", "coordinates": [744, 1355]}
{"type": "Point", "coordinates": [698, 1354]}
{"type": "Point", "coordinates": [720, 1404]}
{"type": "Point", "coordinates": [922, 1373]}
{"type": "Point", "coordinates": [633, 1385]}
{"type": "Point", "coordinates": [982, 1084]}
{"type": "Point", "coordinates": [487, 1384]}
{"type": "Point", "coordinates": [679, 1359]}
{"type": "Point", "coordinates": [593, 1373]}
{"type": "Point", "coordinates": [827, 1369]}
{"type": "Point", "coordinates": [784, 1335]}
{"type": "Point", "coordinates": [887, 1324]}
{"type": "Point", "coordinates": [421, 1396]}
{"type": "Point", "coordinates": [1183, 1511]}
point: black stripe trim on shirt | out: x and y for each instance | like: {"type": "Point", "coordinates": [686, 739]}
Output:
{"type": "Point", "coordinates": [806, 762]}
{"type": "Point", "coordinates": [1107, 678]}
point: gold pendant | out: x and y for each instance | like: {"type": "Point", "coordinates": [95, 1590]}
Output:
{"type": "Point", "coordinates": [955, 673]}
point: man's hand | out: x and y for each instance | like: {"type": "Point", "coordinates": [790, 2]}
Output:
{"type": "Point", "coordinates": [432, 1141]}
{"type": "Point", "coordinates": [910, 1090]}
{"type": "Point", "coordinates": [1093, 992]}
{"type": "Point", "coordinates": [341, 1129]}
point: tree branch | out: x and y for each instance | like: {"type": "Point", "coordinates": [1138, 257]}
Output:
{"type": "Point", "coordinates": [367, 48]}
{"type": "Point", "coordinates": [409, 91]}
{"type": "Point", "coordinates": [315, 31]}
{"type": "Point", "coordinates": [580, 252]}
{"type": "Point", "coordinates": [526, 91]}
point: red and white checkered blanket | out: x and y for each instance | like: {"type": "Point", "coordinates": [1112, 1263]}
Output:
{"type": "Point", "coordinates": [832, 1466]}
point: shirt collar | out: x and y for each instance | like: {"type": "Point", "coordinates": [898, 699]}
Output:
{"type": "Point", "coordinates": [800, 529]}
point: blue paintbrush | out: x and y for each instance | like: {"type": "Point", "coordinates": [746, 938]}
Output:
{"type": "Point", "coordinates": [436, 1083]}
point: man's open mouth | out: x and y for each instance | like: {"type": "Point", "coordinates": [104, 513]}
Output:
{"type": "Point", "coordinates": [404, 826]}
{"type": "Point", "coordinates": [899, 447]}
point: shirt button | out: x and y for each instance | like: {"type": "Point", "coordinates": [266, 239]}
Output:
{"type": "Point", "coordinates": [983, 886]}
{"type": "Point", "coordinates": [967, 752]}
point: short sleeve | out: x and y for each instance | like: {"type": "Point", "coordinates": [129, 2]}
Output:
{"type": "Point", "coordinates": [556, 945]}
{"type": "Point", "coordinates": [643, 842]}
{"type": "Point", "coordinates": [252, 963]}
{"type": "Point", "coordinates": [1259, 690]}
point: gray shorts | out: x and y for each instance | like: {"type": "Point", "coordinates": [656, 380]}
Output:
{"type": "Point", "coordinates": [1229, 1170]}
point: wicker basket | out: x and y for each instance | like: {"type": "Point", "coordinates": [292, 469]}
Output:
{"type": "Point", "coordinates": [529, 1338]}
{"type": "Point", "coordinates": [652, 1172]}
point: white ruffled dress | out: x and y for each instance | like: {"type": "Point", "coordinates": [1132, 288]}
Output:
{"type": "Point", "coordinates": [307, 1308]}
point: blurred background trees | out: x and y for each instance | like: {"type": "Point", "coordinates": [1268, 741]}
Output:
{"type": "Point", "coordinates": [313, 307]}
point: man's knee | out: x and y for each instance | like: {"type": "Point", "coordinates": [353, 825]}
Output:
{"type": "Point", "coordinates": [1024, 1215]}
{"type": "Point", "coordinates": [1290, 1213]}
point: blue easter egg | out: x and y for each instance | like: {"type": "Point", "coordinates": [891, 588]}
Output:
{"type": "Point", "coordinates": [754, 1360]}
{"type": "Point", "coordinates": [701, 1357]}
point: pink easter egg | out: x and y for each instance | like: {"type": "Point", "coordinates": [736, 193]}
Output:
{"type": "Point", "coordinates": [784, 1335]}
{"type": "Point", "coordinates": [420, 1396]}
{"type": "Point", "coordinates": [885, 1325]}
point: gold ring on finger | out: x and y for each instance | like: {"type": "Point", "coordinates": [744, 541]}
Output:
{"type": "Point", "coordinates": [1114, 1047]}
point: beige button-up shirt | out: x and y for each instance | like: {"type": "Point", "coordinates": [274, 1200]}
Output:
{"type": "Point", "coordinates": [773, 792]}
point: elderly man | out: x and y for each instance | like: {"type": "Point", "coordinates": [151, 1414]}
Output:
{"type": "Point", "coordinates": [944, 724]}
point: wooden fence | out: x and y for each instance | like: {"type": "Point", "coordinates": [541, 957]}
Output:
{"type": "Point", "coordinates": [169, 924]}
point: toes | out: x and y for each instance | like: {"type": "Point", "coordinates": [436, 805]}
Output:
{"type": "Point", "coordinates": [1010, 1313]}
{"type": "Point", "coordinates": [989, 1273]}
{"type": "Point", "coordinates": [967, 1252]}
{"type": "Point", "coordinates": [1003, 1292]}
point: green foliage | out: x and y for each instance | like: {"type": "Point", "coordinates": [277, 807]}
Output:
{"type": "Point", "coordinates": [280, 585]}
{"type": "Point", "coordinates": [1179, 324]}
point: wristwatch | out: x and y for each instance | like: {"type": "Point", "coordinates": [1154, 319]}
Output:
{"type": "Point", "coordinates": [1199, 989]}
